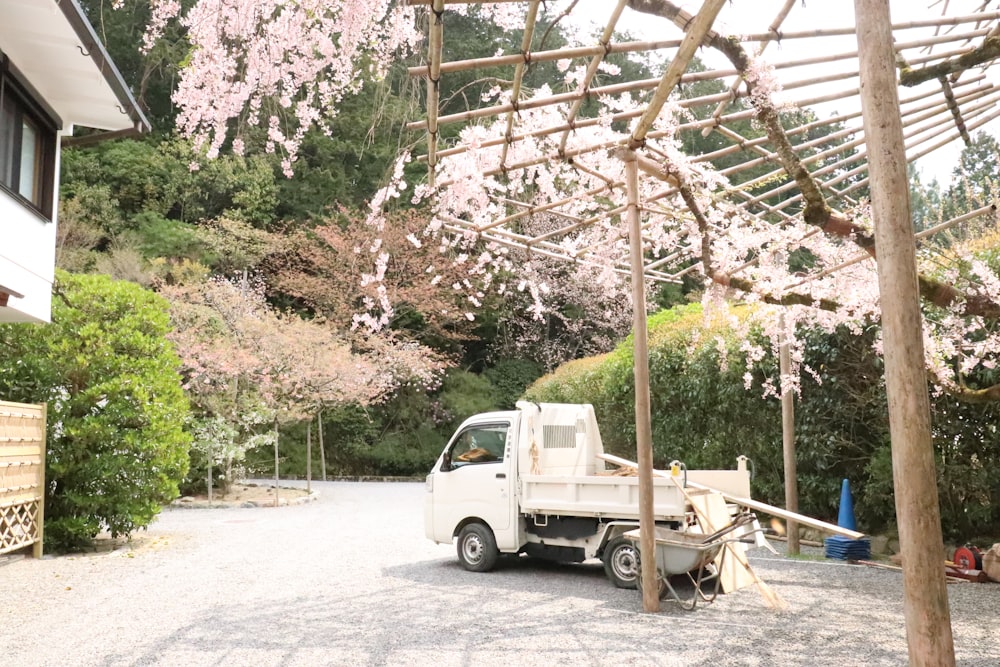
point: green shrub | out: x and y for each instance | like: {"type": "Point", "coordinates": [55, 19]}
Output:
{"type": "Point", "coordinates": [116, 444]}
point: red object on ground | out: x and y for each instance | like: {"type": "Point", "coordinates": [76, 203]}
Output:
{"type": "Point", "coordinates": [968, 558]}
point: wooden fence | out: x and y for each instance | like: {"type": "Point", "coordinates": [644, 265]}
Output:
{"type": "Point", "coordinates": [22, 476]}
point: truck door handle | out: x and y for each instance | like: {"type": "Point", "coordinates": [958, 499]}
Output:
{"type": "Point", "coordinates": [501, 475]}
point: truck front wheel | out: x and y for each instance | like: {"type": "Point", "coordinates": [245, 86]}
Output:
{"type": "Point", "coordinates": [477, 548]}
{"type": "Point", "coordinates": [621, 562]}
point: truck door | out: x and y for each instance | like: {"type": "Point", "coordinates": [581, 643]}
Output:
{"type": "Point", "coordinates": [476, 480]}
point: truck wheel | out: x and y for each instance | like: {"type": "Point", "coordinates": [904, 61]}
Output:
{"type": "Point", "coordinates": [477, 548]}
{"type": "Point", "coordinates": [621, 562]}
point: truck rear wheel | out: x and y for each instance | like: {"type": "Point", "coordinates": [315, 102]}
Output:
{"type": "Point", "coordinates": [477, 548]}
{"type": "Point", "coordinates": [621, 562]}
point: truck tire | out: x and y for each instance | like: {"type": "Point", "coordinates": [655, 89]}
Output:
{"type": "Point", "coordinates": [621, 562]}
{"type": "Point", "coordinates": [477, 548]}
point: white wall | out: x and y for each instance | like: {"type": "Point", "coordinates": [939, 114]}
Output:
{"type": "Point", "coordinates": [27, 260]}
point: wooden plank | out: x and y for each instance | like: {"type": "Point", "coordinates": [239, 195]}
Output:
{"type": "Point", "coordinates": [713, 513]}
{"type": "Point", "coordinates": [771, 597]}
{"type": "Point", "coordinates": [752, 504]}
{"type": "Point", "coordinates": [20, 451]}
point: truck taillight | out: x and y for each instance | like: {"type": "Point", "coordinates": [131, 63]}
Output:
{"type": "Point", "coordinates": [429, 483]}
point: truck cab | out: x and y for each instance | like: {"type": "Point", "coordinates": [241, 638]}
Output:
{"type": "Point", "coordinates": [474, 483]}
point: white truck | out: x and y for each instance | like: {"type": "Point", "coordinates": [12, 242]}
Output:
{"type": "Point", "coordinates": [533, 481]}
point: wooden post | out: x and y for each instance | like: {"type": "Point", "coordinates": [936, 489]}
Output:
{"type": "Point", "coordinates": [322, 449]}
{"type": "Point", "coordinates": [38, 548]}
{"type": "Point", "coordinates": [643, 427]}
{"type": "Point", "coordinates": [925, 598]}
{"type": "Point", "coordinates": [788, 441]}
{"type": "Point", "coordinates": [309, 456]}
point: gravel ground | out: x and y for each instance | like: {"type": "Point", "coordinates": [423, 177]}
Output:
{"type": "Point", "coordinates": [351, 580]}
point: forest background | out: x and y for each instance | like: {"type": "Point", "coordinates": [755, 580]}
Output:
{"type": "Point", "coordinates": [264, 278]}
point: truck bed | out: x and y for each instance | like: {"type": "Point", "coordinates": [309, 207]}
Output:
{"type": "Point", "coordinates": [618, 497]}
{"type": "Point", "coordinates": [597, 495]}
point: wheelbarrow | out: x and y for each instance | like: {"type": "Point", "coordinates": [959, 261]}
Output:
{"type": "Point", "coordinates": [693, 555]}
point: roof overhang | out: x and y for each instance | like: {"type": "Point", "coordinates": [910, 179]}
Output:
{"type": "Point", "coordinates": [52, 44]}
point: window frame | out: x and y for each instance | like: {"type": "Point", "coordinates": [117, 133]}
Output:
{"type": "Point", "coordinates": [18, 107]}
{"type": "Point", "coordinates": [457, 441]}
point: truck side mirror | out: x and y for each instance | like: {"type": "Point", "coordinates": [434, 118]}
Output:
{"type": "Point", "coordinates": [446, 462]}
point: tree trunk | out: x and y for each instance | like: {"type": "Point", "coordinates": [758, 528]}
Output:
{"type": "Point", "coordinates": [208, 479]}
{"type": "Point", "coordinates": [309, 456]}
{"type": "Point", "coordinates": [322, 449]}
{"type": "Point", "coordinates": [925, 598]}
{"type": "Point", "coordinates": [276, 478]}
{"type": "Point", "coordinates": [788, 443]}
{"type": "Point", "coordinates": [643, 427]}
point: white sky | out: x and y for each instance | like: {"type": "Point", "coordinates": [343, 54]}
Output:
{"type": "Point", "coordinates": [754, 16]}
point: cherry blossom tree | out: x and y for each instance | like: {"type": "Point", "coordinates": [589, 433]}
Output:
{"type": "Point", "coordinates": [320, 267]}
{"type": "Point", "coordinates": [247, 366]}
{"type": "Point", "coordinates": [282, 67]}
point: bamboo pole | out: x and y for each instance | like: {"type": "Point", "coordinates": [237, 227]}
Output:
{"type": "Point", "coordinates": [801, 129]}
{"type": "Point", "coordinates": [435, 41]}
{"type": "Point", "coordinates": [910, 25]}
{"type": "Point", "coordinates": [694, 34]}
{"type": "Point", "coordinates": [541, 208]}
{"type": "Point", "coordinates": [911, 117]}
{"type": "Point", "coordinates": [941, 140]}
{"type": "Point", "coordinates": [521, 242]}
{"type": "Point", "coordinates": [515, 93]}
{"type": "Point", "coordinates": [928, 622]}
{"type": "Point", "coordinates": [525, 57]}
{"type": "Point", "coordinates": [628, 87]}
{"type": "Point", "coordinates": [595, 62]}
{"type": "Point", "coordinates": [643, 427]}
{"type": "Point", "coordinates": [526, 242]}
{"type": "Point", "coordinates": [788, 439]}
{"type": "Point", "coordinates": [747, 502]}
{"type": "Point", "coordinates": [697, 124]}
{"type": "Point", "coordinates": [912, 155]}
{"type": "Point", "coordinates": [930, 231]}
{"type": "Point", "coordinates": [857, 157]}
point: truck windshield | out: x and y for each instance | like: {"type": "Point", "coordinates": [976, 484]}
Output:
{"type": "Point", "coordinates": [480, 444]}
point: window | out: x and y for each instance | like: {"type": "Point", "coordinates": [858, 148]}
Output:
{"type": "Point", "coordinates": [27, 146]}
{"type": "Point", "coordinates": [480, 444]}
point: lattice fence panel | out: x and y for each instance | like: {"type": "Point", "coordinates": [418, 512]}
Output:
{"type": "Point", "coordinates": [22, 476]}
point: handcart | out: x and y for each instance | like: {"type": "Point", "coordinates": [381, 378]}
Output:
{"type": "Point", "coordinates": [691, 554]}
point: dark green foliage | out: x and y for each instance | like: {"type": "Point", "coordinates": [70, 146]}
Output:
{"type": "Point", "coordinates": [703, 415]}
{"type": "Point", "coordinates": [116, 444]}
{"type": "Point", "coordinates": [975, 182]}
{"type": "Point", "coordinates": [401, 437]}
{"type": "Point", "coordinates": [153, 74]}
{"type": "Point", "coordinates": [510, 377]}
{"type": "Point", "coordinates": [153, 177]}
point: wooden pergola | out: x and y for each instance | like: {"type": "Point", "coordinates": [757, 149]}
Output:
{"type": "Point", "coordinates": [907, 89]}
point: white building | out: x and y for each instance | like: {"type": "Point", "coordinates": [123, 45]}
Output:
{"type": "Point", "coordinates": [54, 75]}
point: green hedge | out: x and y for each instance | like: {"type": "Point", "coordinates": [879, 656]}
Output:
{"type": "Point", "coordinates": [703, 415]}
